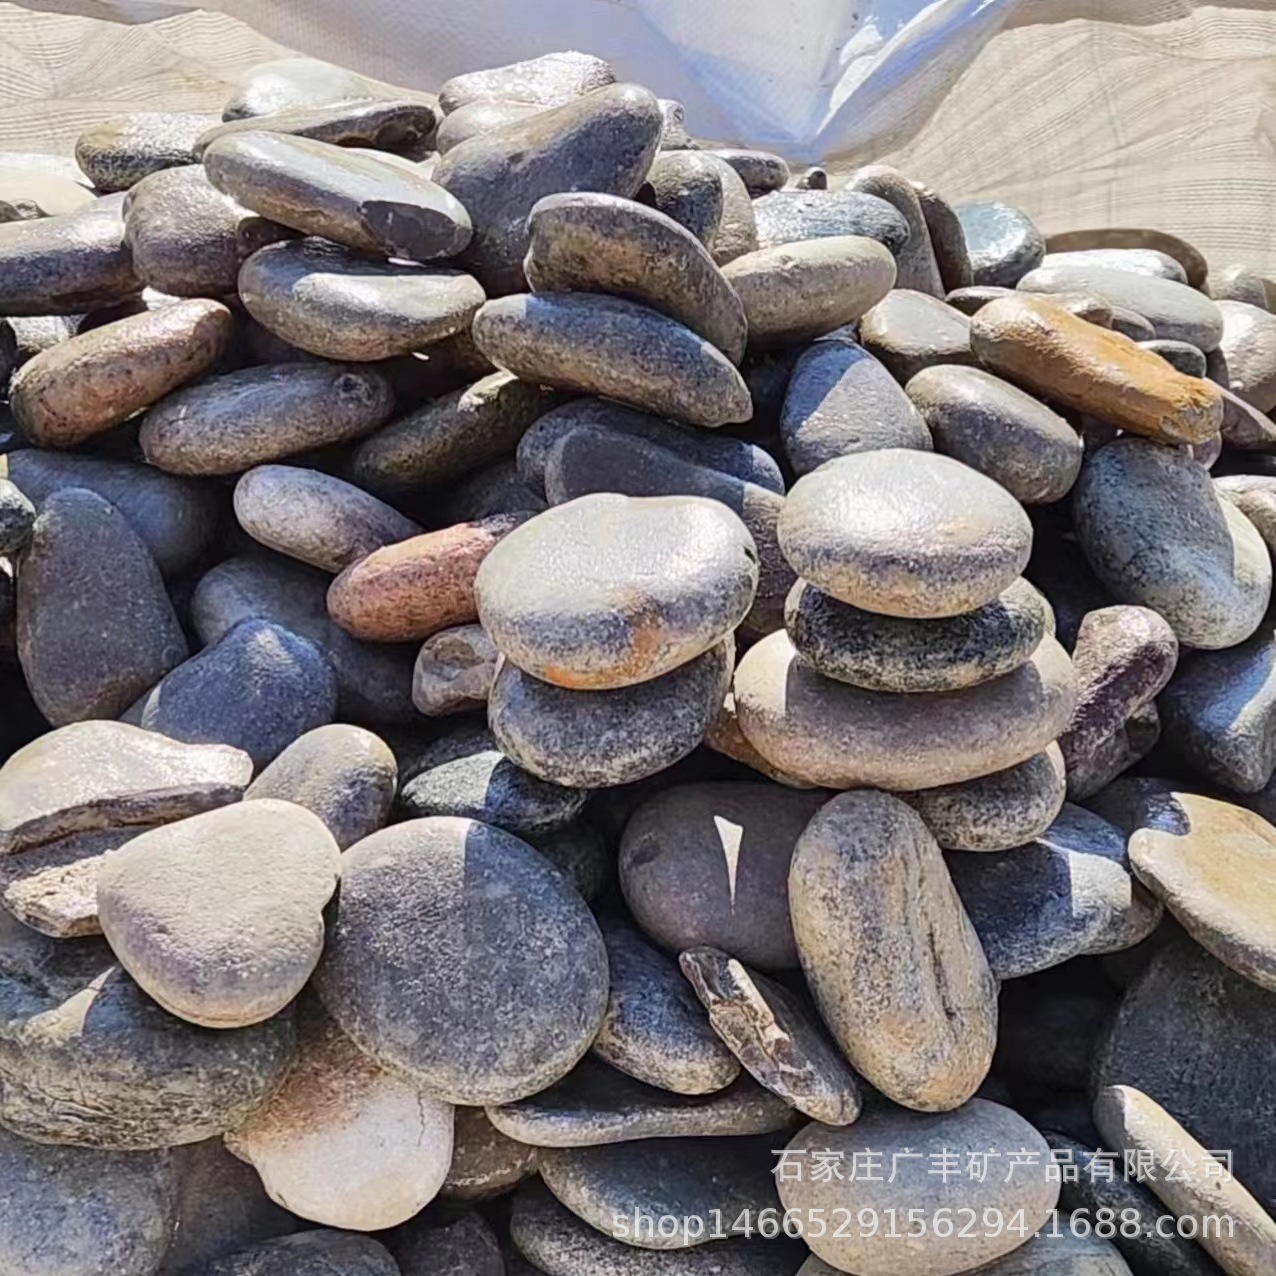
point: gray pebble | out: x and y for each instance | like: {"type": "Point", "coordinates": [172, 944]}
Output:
{"type": "Point", "coordinates": [1181, 355]}
{"type": "Point", "coordinates": [496, 489]}
{"type": "Point", "coordinates": [947, 239]}
{"type": "Point", "coordinates": [1131, 324]}
{"type": "Point", "coordinates": [1247, 353]}
{"type": "Point", "coordinates": [1237, 283]}
{"type": "Point", "coordinates": [581, 853]}
{"type": "Point", "coordinates": [118, 153]}
{"type": "Point", "coordinates": [485, 115]}
{"type": "Point", "coordinates": [814, 178]}
{"type": "Point", "coordinates": [1255, 496]}
{"type": "Point", "coordinates": [400, 128]}
{"type": "Point", "coordinates": [329, 1252]}
{"type": "Point", "coordinates": [485, 1162]}
{"type": "Point", "coordinates": [464, 1245]}
{"type": "Point", "coordinates": [674, 135]}
{"type": "Point", "coordinates": [909, 331]}
{"type": "Point", "coordinates": [17, 518]}
{"type": "Point", "coordinates": [1003, 242]}
{"type": "Point", "coordinates": [1138, 261]}
{"type": "Point", "coordinates": [687, 187]}
{"type": "Point", "coordinates": [454, 671]}
{"type": "Point", "coordinates": [736, 231]}
{"type": "Point", "coordinates": [918, 268]}
{"type": "Point", "coordinates": [787, 217]}
{"type": "Point", "coordinates": [549, 80]}
{"type": "Point", "coordinates": [283, 83]}
{"type": "Point", "coordinates": [760, 171]}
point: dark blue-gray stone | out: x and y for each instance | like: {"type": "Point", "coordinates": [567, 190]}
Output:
{"type": "Point", "coordinates": [17, 517]}
{"type": "Point", "coordinates": [1003, 243]}
{"type": "Point", "coordinates": [786, 217]}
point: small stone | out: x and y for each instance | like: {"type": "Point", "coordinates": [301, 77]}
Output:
{"type": "Point", "coordinates": [918, 268]}
{"type": "Point", "coordinates": [814, 178]}
{"type": "Point", "coordinates": [283, 83]}
{"type": "Point", "coordinates": [1255, 496]}
{"type": "Point", "coordinates": [549, 80]}
{"type": "Point", "coordinates": [674, 135]}
{"type": "Point", "coordinates": [1156, 534]}
{"type": "Point", "coordinates": [1139, 261]}
{"type": "Point", "coordinates": [788, 217]}
{"type": "Point", "coordinates": [688, 187]}
{"type": "Point", "coordinates": [831, 734]}
{"type": "Point", "coordinates": [1037, 344]}
{"type": "Point", "coordinates": [736, 231]}
{"type": "Point", "coordinates": [485, 115]}
{"type": "Point", "coordinates": [1003, 243]}
{"type": "Point", "coordinates": [450, 1245]}
{"type": "Point", "coordinates": [86, 385]}
{"type": "Point", "coordinates": [509, 979]}
{"type": "Point", "coordinates": [454, 671]}
{"type": "Point", "coordinates": [343, 774]}
{"type": "Point", "coordinates": [1059, 1251]}
{"type": "Point", "coordinates": [485, 1162]}
{"type": "Point", "coordinates": [17, 518]}
{"type": "Point", "coordinates": [1244, 427]}
{"type": "Point", "coordinates": [606, 244]}
{"type": "Point", "coordinates": [596, 1104]}
{"type": "Point", "coordinates": [1237, 283]}
{"type": "Point", "coordinates": [118, 153]}
{"type": "Point", "coordinates": [947, 239]}
{"type": "Point", "coordinates": [394, 128]}
{"type": "Point", "coordinates": [904, 533]}
{"type": "Point", "coordinates": [979, 1127]}
{"type": "Point", "coordinates": [909, 331]}
{"type": "Point", "coordinates": [760, 171]}
{"type": "Point", "coordinates": [361, 201]}
{"type": "Point", "coordinates": [332, 1253]}
{"type": "Point", "coordinates": [1132, 325]}
{"type": "Point", "coordinates": [581, 853]}
{"type": "Point", "coordinates": [554, 732]}
{"type": "Point", "coordinates": [614, 348]}
{"type": "Point", "coordinates": [282, 686]}
{"type": "Point", "coordinates": [1248, 351]}
{"type": "Point", "coordinates": [1182, 356]}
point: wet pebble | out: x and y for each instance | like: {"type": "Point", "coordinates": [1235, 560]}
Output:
{"type": "Point", "coordinates": [909, 331]}
{"type": "Point", "coordinates": [549, 80]}
{"type": "Point", "coordinates": [284, 83]}
{"type": "Point", "coordinates": [118, 153]}
{"type": "Point", "coordinates": [788, 217]}
{"type": "Point", "coordinates": [1003, 243]}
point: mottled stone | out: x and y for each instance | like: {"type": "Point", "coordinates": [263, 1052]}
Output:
{"type": "Point", "coordinates": [1131, 742]}
{"type": "Point", "coordinates": [284, 83]}
{"type": "Point", "coordinates": [725, 736]}
{"type": "Point", "coordinates": [688, 187]}
{"type": "Point", "coordinates": [485, 1162]}
{"type": "Point", "coordinates": [484, 115]}
{"type": "Point", "coordinates": [397, 127]}
{"type": "Point", "coordinates": [918, 268]}
{"type": "Point", "coordinates": [909, 331]}
{"type": "Point", "coordinates": [119, 153]}
{"type": "Point", "coordinates": [228, 424]}
{"type": "Point", "coordinates": [1182, 356]}
{"type": "Point", "coordinates": [736, 230]}
{"type": "Point", "coordinates": [1156, 534]}
{"type": "Point", "coordinates": [1003, 243]}
{"type": "Point", "coordinates": [509, 980]}
{"type": "Point", "coordinates": [555, 733]}
{"type": "Point", "coordinates": [549, 80]}
{"type": "Point", "coordinates": [788, 217]}
{"type": "Point", "coordinates": [333, 1253]}
{"type": "Point", "coordinates": [454, 671]}
{"type": "Point", "coordinates": [615, 348]}
{"type": "Point", "coordinates": [760, 171]}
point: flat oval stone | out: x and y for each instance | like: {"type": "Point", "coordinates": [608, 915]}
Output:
{"type": "Point", "coordinates": [1003, 243]}
{"type": "Point", "coordinates": [708, 864]}
{"type": "Point", "coordinates": [688, 187]}
{"type": "Point", "coordinates": [793, 292]}
{"type": "Point", "coordinates": [509, 980]}
{"type": "Point", "coordinates": [995, 812]}
{"type": "Point", "coordinates": [336, 303]}
{"type": "Point", "coordinates": [258, 688]}
{"type": "Point", "coordinates": [98, 775]}
{"type": "Point", "coordinates": [918, 267]}
{"type": "Point", "coordinates": [997, 429]}
{"type": "Point", "coordinates": [484, 115]}
{"type": "Point", "coordinates": [594, 739]}
{"type": "Point", "coordinates": [1193, 263]}
{"type": "Point", "coordinates": [635, 588]}
{"type": "Point", "coordinates": [485, 1162]}
{"type": "Point", "coordinates": [1156, 534]}
{"type": "Point", "coordinates": [74, 1212]}
{"type": "Point", "coordinates": [399, 127]}
{"type": "Point", "coordinates": [776, 1035]}
{"type": "Point", "coordinates": [94, 627]}
{"type": "Point", "coordinates": [828, 733]}
{"type": "Point", "coordinates": [454, 671]}
{"type": "Point", "coordinates": [283, 83]}
{"type": "Point", "coordinates": [1040, 346]}
{"type": "Point", "coordinates": [840, 400]}
{"type": "Point", "coordinates": [1248, 350]}
{"type": "Point", "coordinates": [788, 217]}
{"type": "Point", "coordinates": [360, 201]}
{"type": "Point", "coordinates": [343, 774]}
{"type": "Point", "coordinates": [1139, 261]}
{"type": "Point", "coordinates": [904, 533]}
{"type": "Point", "coordinates": [977, 1128]}
{"type": "Point", "coordinates": [314, 517]}
{"type": "Point", "coordinates": [887, 653]}
{"type": "Point", "coordinates": [333, 1253]}
{"type": "Point", "coordinates": [909, 331]}
{"type": "Point", "coordinates": [118, 153]}
{"type": "Point", "coordinates": [343, 1142]}
{"type": "Point", "coordinates": [613, 348]}
{"type": "Point", "coordinates": [549, 80]}
{"type": "Point", "coordinates": [654, 1029]}
{"type": "Point", "coordinates": [87, 1058]}
{"type": "Point", "coordinates": [86, 385]}
{"type": "Point", "coordinates": [603, 142]}
{"type": "Point", "coordinates": [890, 956]}
{"type": "Point", "coordinates": [230, 423]}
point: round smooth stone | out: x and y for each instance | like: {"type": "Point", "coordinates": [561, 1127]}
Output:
{"type": "Point", "coordinates": [219, 917]}
{"type": "Point", "coordinates": [688, 187]}
{"type": "Point", "coordinates": [485, 115]}
{"type": "Point", "coordinates": [1237, 283]}
{"type": "Point", "coordinates": [454, 671]}
{"type": "Point", "coordinates": [228, 424]}
{"type": "Point", "coordinates": [333, 1253]}
{"type": "Point", "coordinates": [451, 1244]}
{"type": "Point", "coordinates": [904, 533]}
{"type": "Point", "coordinates": [1156, 534]}
{"type": "Point", "coordinates": [94, 627]}
{"type": "Point", "coordinates": [311, 516]}
{"type": "Point", "coordinates": [119, 153]}
{"type": "Point", "coordinates": [509, 980]}
{"type": "Point", "coordinates": [997, 429]}
{"type": "Point", "coordinates": [1248, 350]}
{"type": "Point", "coordinates": [594, 739]}
{"type": "Point", "coordinates": [610, 591]}
{"type": "Point", "coordinates": [485, 1162]}
{"type": "Point", "coordinates": [891, 958]}
{"type": "Point", "coordinates": [1182, 356]}
{"type": "Point", "coordinates": [887, 653]}
{"type": "Point", "coordinates": [614, 348]}
{"type": "Point", "coordinates": [335, 302]}
{"type": "Point", "coordinates": [393, 129]}
{"type": "Point", "coordinates": [832, 734]}
{"type": "Point", "coordinates": [794, 292]}
{"type": "Point", "coordinates": [654, 1029]}
{"type": "Point", "coordinates": [343, 774]}
{"type": "Point", "coordinates": [549, 80]}
{"type": "Point", "coordinates": [1003, 243]}
{"type": "Point", "coordinates": [995, 812]}
{"type": "Point", "coordinates": [909, 331]}
{"type": "Point", "coordinates": [789, 217]}
{"type": "Point", "coordinates": [78, 1212]}
{"type": "Point", "coordinates": [708, 864]}
{"type": "Point", "coordinates": [284, 83]}
{"type": "Point", "coordinates": [343, 1142]}
{"type": "Point", "coordinates": [918, 267]}
{"type": "Point", "coordinates": [977, 1128]}
{"type": "Point", "coordinates": [776, 1035]}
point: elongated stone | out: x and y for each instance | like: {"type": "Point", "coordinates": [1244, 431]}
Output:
{"type": "Point", "coordinates": [399, 127]}
{"type": "Point", "coordinates": [760, 171]}
{"type": "Point", "coordinates": [737, 229]}
{"type": "Point", "coordinates": [284, 83]}
{"type": "Point", "coordinates": [1193, 263]}
{"type": "Point", "coordinates": [918, 268]}
{"type": "Point", "coordinates": [787, 217]}
{"type": "Point", "coordinates": [481, 116]}
{"type": "Point", "coordinates": [688, 187]}
{"type": "Point", "coordinates": [947, 239]}
{"type": "Point", "coordinates": [549, 80]}
{"type": "Point", "coordinates": [120, 152]}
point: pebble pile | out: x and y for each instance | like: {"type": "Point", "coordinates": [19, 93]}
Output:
{"type": "Point", "coordinates": [578, 703]}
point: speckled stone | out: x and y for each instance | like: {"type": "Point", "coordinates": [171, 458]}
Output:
{"type": "Point", "coordinates": [760, 171]}
{"type": "Point", "coordinates": [904, 533]}
{"type": "Point", "coordinates": [284, 83]}
{"type": "Point", "coordinates": [89, 383]}
{"type": "Point", "coordinates": [1131, 742]}
{"type": "Point", "coordinates": [87, 1058]}
{"type": "Point", "coordinates": [1244, 427]}
{"type": "Point", "coordinates": [687, 186]}
{"type": "Point", "coordinates": [485, 115]}
{"type": "Point", "coordinates": [736, 231]}
{"type": "Point", "coordinates": [454, 671]}
{"type": "Point", "coordinates": [94, 627]}
{"type": "Point", "coordinates": [909, 331]}
{"type": "Point", "coordinates": [258, 688]}
{"type": "Point", "coordinates": [708, 864]}
{"type": "Point", "coordinates": [333, 1253]}
{"type": "Point", "coordinates": [549, 80]}
{"type": "Point", "coordinates": [788, 217]}
{"type": "Point", "coordinates": [446, 1244]}
{"type": "Point", "coordinates": [593, 739]}
{"type": "Point", "coordinates": [777, 1035]}
{"type": "Point", "coordinates": [120, 152]}
{"type": "Point", "coordinates": [510, 978]}
{"type": "Point", "coordinates": [888, 653]}
{"type": "Point", "coordinates": [829, 733]}
{"type": "Point", "coordinates": [1156, 534]}
{"type": "Point", "coordinates": [228, 424]}
{"type": "Point", "coordinates": [604, 142]}
{"type": "Point", "coordinates": [840, 400]}
{"type": "Point", "coordinates": [398, 127]}
{"type": "Point", "coordinates": [918, 267]}
{"type": "Point", "coordinates": [334, 302]}
{"type": "Point", "coordinates": [596, 1104]}
{"type": "Point", "coordinates": [363, 202]}
{"type": "Point", "coordinates": [1003, 243]}
{"type": "Point", "coordinates": [980, 1127]}
{"type": "Point", "coordinates": [615, 348]}
{"type": "Point", "coordinates": [639, 587]}
{"type": "Point", "coordinates": [1037, 344]}
{"type": "Point", "coordinates": [485, 1162]}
